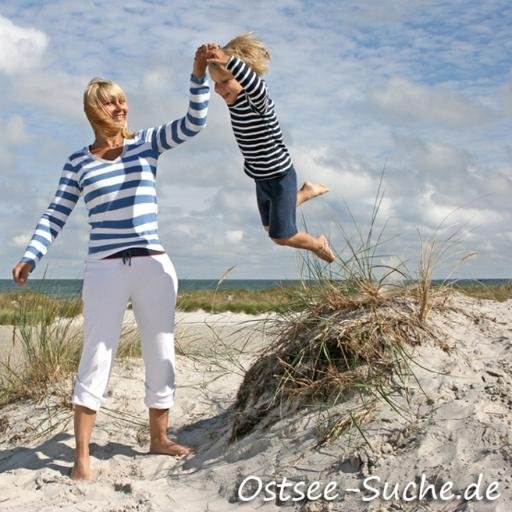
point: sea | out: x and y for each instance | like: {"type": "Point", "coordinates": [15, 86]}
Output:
{"type": "Point", "coordinates": [72, 288]}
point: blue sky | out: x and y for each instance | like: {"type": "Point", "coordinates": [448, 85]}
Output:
{"type": "Point", "coordinates": [420, 88]}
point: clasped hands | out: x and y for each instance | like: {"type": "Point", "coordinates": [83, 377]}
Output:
{"type": "Point", "coordinates": [208, 53]}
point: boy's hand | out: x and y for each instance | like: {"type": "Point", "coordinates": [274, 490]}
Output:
{"type": "Point", "coordinates": [200, 59]}
{"type": "Point", "coordinates": [217, 56]}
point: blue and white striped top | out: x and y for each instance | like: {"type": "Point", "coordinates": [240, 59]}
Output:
{"type": "Point", "coordinates": [120, 194]}
{"type": "Point", "coordinates": [255, 125]}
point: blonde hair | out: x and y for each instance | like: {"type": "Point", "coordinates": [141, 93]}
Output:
{"type": "Point", "coordinates": [252, 51]}
{"type": "Point", "coordinates": [98, 92]}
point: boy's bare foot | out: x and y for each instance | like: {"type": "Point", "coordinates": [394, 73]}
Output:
{"type": "Point", "coordinates": [167, 447]}
{"type": "Point", "coordinates": [81, 470]}
{"type": "Point", "coordinates": [309, 191]}
{"type": "Point", "coordinates": [324, 250]}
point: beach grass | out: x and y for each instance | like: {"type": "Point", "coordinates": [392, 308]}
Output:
{"type": "Point", "coordinates": [479, 290]}
{"type": "Point", "coordinates": [34, 307]}
{"type": "Point", "coordinates": [343, 342]}
{"type": "Point", "coordinates": [46, 347]}
{"type": "Point", "coordinates": [129, 343]}
{"type": "Point", "coordinates": [354, 335]}
{"type": "Point", "coordinates": [253, 302]}
{"type": "Point", "coordinates": [47, 343]}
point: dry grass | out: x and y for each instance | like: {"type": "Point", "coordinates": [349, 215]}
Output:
{"type": "Point", "coordinates": [46, 348]}
{"type": "Point", "coordinates": [129, 344]}
{"type": "Point", "coordinates": [479, 290]}
{"type": "Point", "coordinates": [43, 307]}
{"type": "Point", "coordinates": [253, 302]}
{"type": "Point", "coordinates": [354, 336]}
{"type": "Point", "coordinates": [332, 350]}
{"type": "Point", "coordinates": [48, 344]}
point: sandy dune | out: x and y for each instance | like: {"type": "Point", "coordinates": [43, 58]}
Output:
{"type": "Point", "coordinates": [459, 426]}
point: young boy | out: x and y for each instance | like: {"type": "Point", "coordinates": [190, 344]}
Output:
{"type": "Point", "coordinates": [236, 70]}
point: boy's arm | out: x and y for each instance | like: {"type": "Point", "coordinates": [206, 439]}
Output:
{"type": "Point", "coordinates": [253, 85]}
{"type": "Point", "coordinates": [54, 218]}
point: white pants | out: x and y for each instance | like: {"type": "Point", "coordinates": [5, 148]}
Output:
{"type": "Point", "coordinates": [150, 283]}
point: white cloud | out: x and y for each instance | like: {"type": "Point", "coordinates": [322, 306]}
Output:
{"type": "Point", "coordinates": [404, 100]}
{"type": "Point", "coordinates": [347, 176]}
{"type": "Point", "coordinates": [57, 92]}
{"type": "Point", "coordinates": [235, 236]}
{"type": "Point", "coordinates": [436, 214]}
{"type": "Point", "coordinates": [22, 48]}
{"type": "Point", "coordinates": [505, 97]}
{"type": "Point", "coordinates": [15, 131]}
{"type": "Point", "coordinates": [21, 240]}
{"type": "Point", "coordinates": [419, 87]}
{"type": "Point", "coordinates": [6, 158]}
{"type": "Point", "coordinates": [157, 80]}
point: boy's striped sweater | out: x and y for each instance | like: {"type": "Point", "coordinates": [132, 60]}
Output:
{"type": "Point", "coordinates": [255, 126]}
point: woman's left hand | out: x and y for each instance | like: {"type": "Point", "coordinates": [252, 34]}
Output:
{"type": "Point", "coordinates": [200, 59]}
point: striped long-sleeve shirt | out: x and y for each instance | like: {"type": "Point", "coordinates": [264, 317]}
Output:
{"type": "Point", "coordinates": [255, 126]}
{"type": "Point", "coordinates": [120, 194]}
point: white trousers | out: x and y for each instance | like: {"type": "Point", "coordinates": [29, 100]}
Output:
{"type": "Point", "coordinates": [150, 283]}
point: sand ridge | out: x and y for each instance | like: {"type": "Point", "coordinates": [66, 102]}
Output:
{"type": "Point", "coordinates": [461, 427]}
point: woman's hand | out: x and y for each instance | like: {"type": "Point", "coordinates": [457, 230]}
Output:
{"type": "Point", "coordinates": [20, 272]}
{"type": "Point", "coordinates": [200, 61]}
{"type": "Point", "coordinates": [217, 56]}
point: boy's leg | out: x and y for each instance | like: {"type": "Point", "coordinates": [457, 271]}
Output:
{"type": "Point", "coordinates": [282, 218]}
{"type": "Point", "coordinates": [154, 300]}
{"type": "Point", "coordinates": [263, 201]}
{"type": "Point", "coordinates": [318, 245]}
{"type": "Point", "coordinates": [309, 191]}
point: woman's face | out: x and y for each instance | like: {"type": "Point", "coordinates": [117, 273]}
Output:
{"type": "Point", "coordinates": [117, 109]}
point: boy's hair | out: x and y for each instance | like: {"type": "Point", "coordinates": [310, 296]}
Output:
{"type": "Point", "coordinates": [98, 92]}
{"type": "Point", "coordinates": [252, 51]}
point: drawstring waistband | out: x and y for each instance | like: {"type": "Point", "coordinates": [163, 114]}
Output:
{"type": "Point", "coordinates": [127, 254]}
{"type": "Point", "coordinates": [127, 257]}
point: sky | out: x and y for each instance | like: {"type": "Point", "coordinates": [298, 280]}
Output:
{"type": "Point", "coordinates": [416, 92]}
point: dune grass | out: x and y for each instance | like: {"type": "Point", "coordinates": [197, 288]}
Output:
{"type": "Point", "coordinates": [239, 300]}
{"type": "Point", "coordinates": [478, 290]}
{"type": "Point", "coordinates": [35, 307]}
{"type": "Point", "coordinates": [344, 341]}
{"type": "Point", "coordinates": [252, 302]}
{"type": "Point", "coordinates": [46, 347]}
{"type": "Point", "coordinates": [354, 336]}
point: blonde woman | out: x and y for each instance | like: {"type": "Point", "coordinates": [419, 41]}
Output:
{"type": "Point", "coordinates": [236, 69]}
{"type": "Point", "coordinates": [116, 177]}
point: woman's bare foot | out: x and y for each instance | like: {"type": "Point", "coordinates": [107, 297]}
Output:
{"type": "Point", "coordinates": [309, 191]}
{"type": "Point", "coordinates": [81, 469]}
{"type": "Point", "coordinates": [324, 250]}
{"type": "Point", "coordinates": [167, 447]}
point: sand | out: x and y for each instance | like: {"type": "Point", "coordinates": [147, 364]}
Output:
{"type": "Point", "coordinates": [458, 426]}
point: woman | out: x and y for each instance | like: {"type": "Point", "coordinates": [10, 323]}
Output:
{"type": "Point", "coordinates": [116, 177]}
